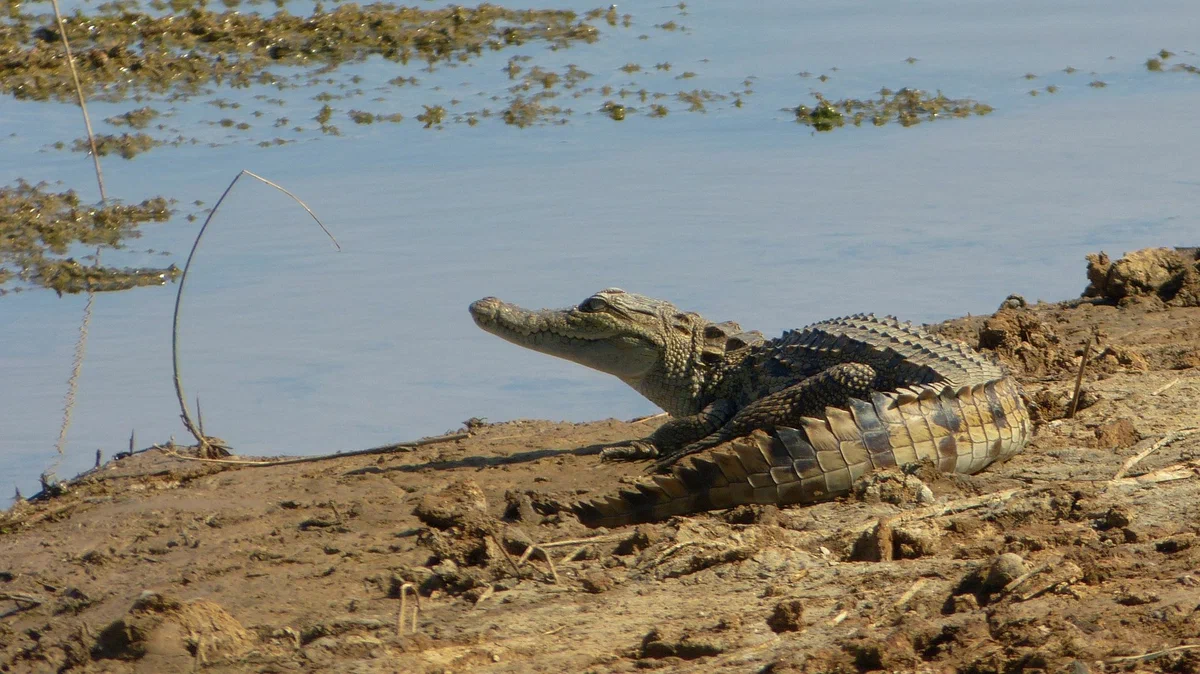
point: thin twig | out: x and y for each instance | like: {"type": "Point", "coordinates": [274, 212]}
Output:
{"type": "Point", "coordinates": [81, 343]}
{"type": "Point", "coordinates": [516, 567]}
{"type": "Point", "coordinates": [383, 449]}
{"type": "Point", "coordinates": [916, 587]}
{"type": "Point", "coordinates": [187, 419]}
{"type": "Point", "coordinates": [1087, 350]}
{"type": "Point", "coordinates": [20, 598]}
{"type": "Point", "coordinates": [1164, 387]}
{"type": "Point", "coordinates": [947, 508]}
{"type": "Point", "coordinates": [87, 120]}
{"type": "Point", "coordinates": [652, 417]}
{"type": "Point", "coordinates": [581, 541]}
{"type": "Point", "coordinates": [1133, 460]}
{"type": "Point", "coordinates": [1016, 582]}
{"type": "Point", "coordinates": [1179, 471]}
{"type": "Point", "coordinates": [1151, 656]}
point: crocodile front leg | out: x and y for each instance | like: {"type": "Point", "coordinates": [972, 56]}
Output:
{"type": "Point", "coordinates": [832, 387]}
{"type": "Point", "coordinates": [675, 434]}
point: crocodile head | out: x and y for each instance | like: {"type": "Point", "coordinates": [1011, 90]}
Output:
{"type": "Point", "coordinates": [664, 353]}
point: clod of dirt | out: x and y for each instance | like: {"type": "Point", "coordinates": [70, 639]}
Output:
{"type": "Point", "coordinates": [596, 581]}
{"type": "Point", "coordinates": [893, 653]}
{"type": "Point", "coordinates": [883, 544]}
{"type": "Point", "coordinates": [1023, 341]}
{"type": "Point", "coordinates": [666, 642]}
{"type": "Point", "coordinates": [1176, 544]}
{"type": "Point", "coordinates": [1003, 570]}
{"type": "Point", "coordinates": [519, 507]}
{"type": "Point", "coordinates": [1049, 404]}
{"type": "Point", "coordinates": [458, 505]}
{"type": "Point", "coordinates": [753, 514]}
{"type": "Point", "coordinates": [892, 486]}
{"type": "Point", "coordinates": [1116, 434]}
{"type": "Point", "coordinates": [1014, 302]}
{"type": "Point", "coordinates": [1169, 274]}
{"type": "Point", "coordinates": [161, 627]}
{"type": "Point", "coordinates": [1117, 517]}
{"type": "Point", "coordinates": [642, 537]}
{"type": "Point", "coordinates": [788, 616]}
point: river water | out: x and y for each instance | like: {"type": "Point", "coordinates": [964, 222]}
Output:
{"type": "Point", "coordinates": [738, 213]}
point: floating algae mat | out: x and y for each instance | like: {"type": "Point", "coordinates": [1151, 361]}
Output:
{"type": "Point", "coordinates": [906, 107]}
{"type": "Point", "coordinates": [121, 50]}
{"type": "Point", "coordinates": [38, 227]}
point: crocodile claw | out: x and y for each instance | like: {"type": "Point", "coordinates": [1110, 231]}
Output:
{"type": "Point", "coordinates": [636, 450]}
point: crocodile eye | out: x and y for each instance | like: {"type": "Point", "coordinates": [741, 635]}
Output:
{"type": "Point", "coordinates": [593, 304]}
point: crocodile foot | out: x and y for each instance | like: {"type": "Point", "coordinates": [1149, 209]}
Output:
{"type": "Point", "coordinates": [636, 450]}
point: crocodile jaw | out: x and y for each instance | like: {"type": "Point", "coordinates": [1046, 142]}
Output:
{"type": "Point", "coordinates": [594, 340]}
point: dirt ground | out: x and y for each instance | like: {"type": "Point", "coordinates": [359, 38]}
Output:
{"type": "Point", "coordinates": [1081, 554]}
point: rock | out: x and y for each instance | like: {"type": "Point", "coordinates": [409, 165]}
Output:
{"type": "Point", "coordinates": [1003, 570]}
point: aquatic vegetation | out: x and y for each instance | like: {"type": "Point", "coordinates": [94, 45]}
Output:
{"type": "Point", "coordinates": [39, 227]}
{"type": "Point", "coordinates": [614, 110]}
{"type": "Point", "coordinates": [906, 107]}
{"type": "Point", "coordinates": [121, 50]}
{"type": "Point", "coordinates": [125, 145]}
{"type": "Point", "coordinates": [135, 119]}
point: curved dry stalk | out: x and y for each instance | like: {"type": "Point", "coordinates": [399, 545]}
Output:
{"type": "Point", "coordinates": [404, 590]}
{"type": "Point", "coordinates": [192, 428]}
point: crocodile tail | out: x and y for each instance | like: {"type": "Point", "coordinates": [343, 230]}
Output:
{"type": "Point", "coordinates": [960, 430]}
{"type": "Point", "coordinates": [760, 468]}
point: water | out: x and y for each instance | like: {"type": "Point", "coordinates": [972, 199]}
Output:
{"type": "Point", "coordinates": [737, 213]}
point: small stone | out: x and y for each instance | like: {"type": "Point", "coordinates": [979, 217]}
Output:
{"type": "Point", "coordinates": [1003, 570]}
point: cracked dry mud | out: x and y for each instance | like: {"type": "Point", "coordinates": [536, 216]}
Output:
{"type": "Point", "coordinates": [1044, 563]}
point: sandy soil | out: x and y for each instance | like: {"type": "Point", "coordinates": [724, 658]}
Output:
{"type": "Point", "coordinates": [1080, 555]}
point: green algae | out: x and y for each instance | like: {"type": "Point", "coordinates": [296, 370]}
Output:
{"type": "Point", "coordinates": [121, 50]}
{"type": "Point", "coordinates": [125, 145]}
{"type": "Point", "coordinates": [39, 227]}
{"type": "Point", "coordinates": [906, 107]}
{"type": "Point", "coordinates": [135, 119]}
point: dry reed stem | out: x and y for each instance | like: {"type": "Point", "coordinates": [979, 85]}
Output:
{"type": "Point", "coordinates": [912, 591]}
{"type": "Point", "coordinates": [1087, 350]}
{"type": "Point", "coordinates": [205, 445]}
{"type": "Point", "coordinates": [1016, 582]}
{"type": "Point", "coordinates": [383, 449]}
{"type": "Point", "coordinates": [1159, 390]}
{"type": "Point", "coordinates": [1179, 471]}
{"type": "Point", "coordinates": [525, 556]}
{"type": "Point", "coordinates": [583, 541]}
{"type": "Point", "coordinates": [1133, 460]}
{"type": "Point", "coordinates": [404, 590]}
{"type": "Point", "coordinates": [1151, 656]}
{"type": "Point", "coordinates": [948, 508]}
{"type": "Point", "coordinates": [81, 343]}
{"type": "Point", "coordinates": [29, 600]}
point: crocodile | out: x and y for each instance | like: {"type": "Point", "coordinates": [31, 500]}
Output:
{"type": "Point", "coordinates": [790, 420]}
